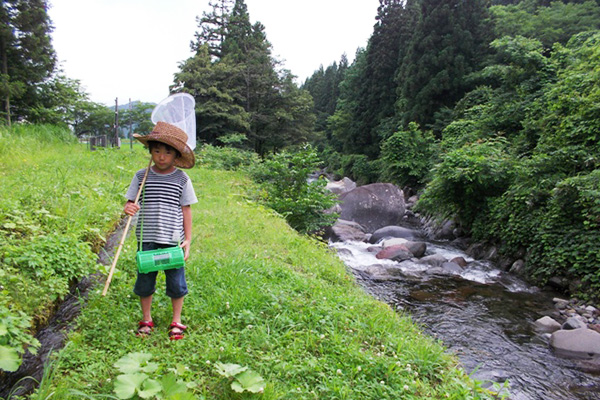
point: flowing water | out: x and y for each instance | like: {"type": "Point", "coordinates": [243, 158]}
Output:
{"type": "Point", "coordinates": [484, 315]}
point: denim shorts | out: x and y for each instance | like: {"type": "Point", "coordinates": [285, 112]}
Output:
{"type": "Point", "coordinates": [145, 284]}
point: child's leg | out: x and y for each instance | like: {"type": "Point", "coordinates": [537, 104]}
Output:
{"type": "Point", "coordinates": [146, 303]}
{"type": "Point", "coordinates": [177, 307]}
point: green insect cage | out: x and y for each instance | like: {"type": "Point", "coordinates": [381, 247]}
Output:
{"type": "Point", "coordinates": [160, 260]}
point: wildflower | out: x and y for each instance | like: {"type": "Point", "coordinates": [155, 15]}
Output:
{"type": "Point", "coordinates": [406, 387]}
{"type": "Point", "coordinates": [382, 382]}
{"type": "Point", "coordinates": [322, 336]}
{"type": "Point", "coordinates": [339, 371]}
{"type": "Point", "coordinates": [227, 305]}
{"type": "Point", "coordinates": [221, 348]}
{"type": "Point", "coordinates": [359, 368]}
{"type": "Point", "coordinates": [207, 362]}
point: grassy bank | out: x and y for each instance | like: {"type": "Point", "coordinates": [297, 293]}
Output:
{"type": "Point", "coordinates": [262, 298]}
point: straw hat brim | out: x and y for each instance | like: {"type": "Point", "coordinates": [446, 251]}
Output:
{"type": "Point", "coordinates": [187, 159]}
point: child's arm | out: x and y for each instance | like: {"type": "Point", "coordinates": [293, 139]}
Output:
{"type": "Point", "coordinates": [187, 230]}
{"type": "Point", "coordinates": [131, 208]}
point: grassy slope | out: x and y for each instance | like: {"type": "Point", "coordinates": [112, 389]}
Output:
{"type": "Point", "coordinates": [261, 296]}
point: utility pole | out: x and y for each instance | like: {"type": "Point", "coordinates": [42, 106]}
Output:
{"type": "Point", "coordinates": [130, 128]}
{"type": "Point", "coordinates": [116, 141]}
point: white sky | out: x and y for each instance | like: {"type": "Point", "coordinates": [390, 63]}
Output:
{"type": "Point", "coordinates": [130, 49]}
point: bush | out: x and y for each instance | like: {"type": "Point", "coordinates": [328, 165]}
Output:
{"type": "Point", "coordinates": [407, 157]}
{"type": "Point", "coordinates": [286, 189]}
{"type": "Point", "coordinates": [466, 179]}
{"type": "Point", "coordinates": [226, 158]}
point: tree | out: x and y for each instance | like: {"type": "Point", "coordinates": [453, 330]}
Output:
{"type": "Point", "coordinates": [240, 91]}
{"type": "Point", "coordinates": [553, 23]}
{"type": "Point", "coordinates": [213, 28]}
{"type": "Point", "coordinates": [449, 42]}
{"type": "Point", "coordinates": [26, 55]}
{"type": "Point", "coordinates": [219, 96]}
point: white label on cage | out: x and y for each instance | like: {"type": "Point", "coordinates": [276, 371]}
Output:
{"type": "Point", "coordinates": [175, 236]}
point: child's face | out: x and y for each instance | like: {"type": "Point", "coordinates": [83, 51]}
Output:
{"type": "Point", "coordinates": [164, 159]}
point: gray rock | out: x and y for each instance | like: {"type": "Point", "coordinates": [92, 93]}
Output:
{"type": "Point", "coordinates": [418, 249]}
{"type": "Point", "coordinates": [576, 343]}
{"type": "Point", "coordinates": [547, 324]}
{"type": "Point", "coordinates": [451, 268]}
{"type": "Point", "coordinates": [575, 322]}
{"type": "Point", "coordinates": [460, 261]}
{"type": "Point", "coordinates": [343, 231]}
{"type": "Point", "coordinates": [373, 206]}
{"type": "Point", "coordinates": [517, 267]}
{"type": "Point", "coordinates": [393, 231]}
{"type": "Point", "coordinates": [435, 260]}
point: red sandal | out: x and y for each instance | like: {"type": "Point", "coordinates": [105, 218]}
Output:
{"type": "Point", "coordinates": [176, 335]}
{"type": "Point", "coordinates": [142, 331]}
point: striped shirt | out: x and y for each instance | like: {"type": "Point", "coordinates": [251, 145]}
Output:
{"type": "Point", "coordinates": [161, 202]}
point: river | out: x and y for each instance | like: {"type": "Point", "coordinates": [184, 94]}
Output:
{"type": "Point", "coordinates": [484, 316]}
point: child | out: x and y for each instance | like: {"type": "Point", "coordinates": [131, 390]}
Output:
{"type": "Point", "coordinates": [166, 217]}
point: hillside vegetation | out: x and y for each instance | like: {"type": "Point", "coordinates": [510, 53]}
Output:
{"type": "Point", "coordinates": [271, 313]}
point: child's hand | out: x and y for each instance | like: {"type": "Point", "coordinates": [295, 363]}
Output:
{"type": "Point", "coordinates": [185, 245]}
{"type": "Point", "coordinates": [131, 208]}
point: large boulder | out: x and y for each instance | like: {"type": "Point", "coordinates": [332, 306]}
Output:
{"type": "Point", "coordinates": [373, 206]}
{"type": "Point", "coordinates": [576, 343]}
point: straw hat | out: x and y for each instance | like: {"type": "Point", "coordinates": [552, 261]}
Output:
{"type": "Point", "coordinates": [174, 137]}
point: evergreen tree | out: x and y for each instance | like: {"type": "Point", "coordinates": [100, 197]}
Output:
{"type": "Point", "coordinates": [218, 96]}
{"type": "Point", "coordinates": [26, 55]}
{"type": "Point", "coordinates": [238, 90]}
{"type": "Point", "coordinates": [213, 28]}
{"type": "Point", "coordinates": [449, 42]}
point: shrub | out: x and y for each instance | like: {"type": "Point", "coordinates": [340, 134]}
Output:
{"type": "Point", "coordinates": [466, 179]}
{"type": "Point", "coordinates": [286, 189]}
{"type": "Point", "coordinates": [407, 156]}
{"type": "Point", "coordinates": [226, 158]}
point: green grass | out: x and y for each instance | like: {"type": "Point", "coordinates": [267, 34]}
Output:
{"type": "Point", "coordinates": [261, 296]}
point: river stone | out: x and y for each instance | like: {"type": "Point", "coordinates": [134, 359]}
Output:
{"type": "Point", "coordinates": [460, 261]}
{"type": "Point", "coordinates": [373, 206]}
{"type": "Point", "coordinates": [393, 231]}
{"type": "Point", "coordinates": [344, 231]}
{"type": "Point", "coordinates": [398, 252]}
{"type": "Point", "coordinates": [547, 324]}
{"type": "Point", "coordinates": [576, 343]}
{"type": "Point", "coordinates": [418, 249]}
{"type": "Point", "coordinates": [451, 268]}
{"type": "Point", "coordinates": [435, 260]}
{"type": "Point", "coordinates": [393, 242]}
{"type": "Point", "coordinates": [575, 322]}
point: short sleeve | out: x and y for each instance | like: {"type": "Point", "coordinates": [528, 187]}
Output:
{"type": "Point", "coordinates": [188, 196]}
{"type": "Point", "coordinates": [133, 189]}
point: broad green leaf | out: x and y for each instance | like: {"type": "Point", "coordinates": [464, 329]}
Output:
{"type": "Point", "coordinates": [229, 370]}
{"type": "Point", "coordinates": [150, 388]}
{"type": "Point", "coordinates": [149, 368]}
{"type": "Point", "coordinates": [127, 385]}
{"type": "Point", "coordinates": [9, 359]}
{"type": "Point", "coordinates": [132, 362]}
{"type": "Point", "coordinates": [171, 385]}
{"type": "Point", "coordinates": [249, 381]}
{"type": "Point", "coordinates": [3, 329]}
